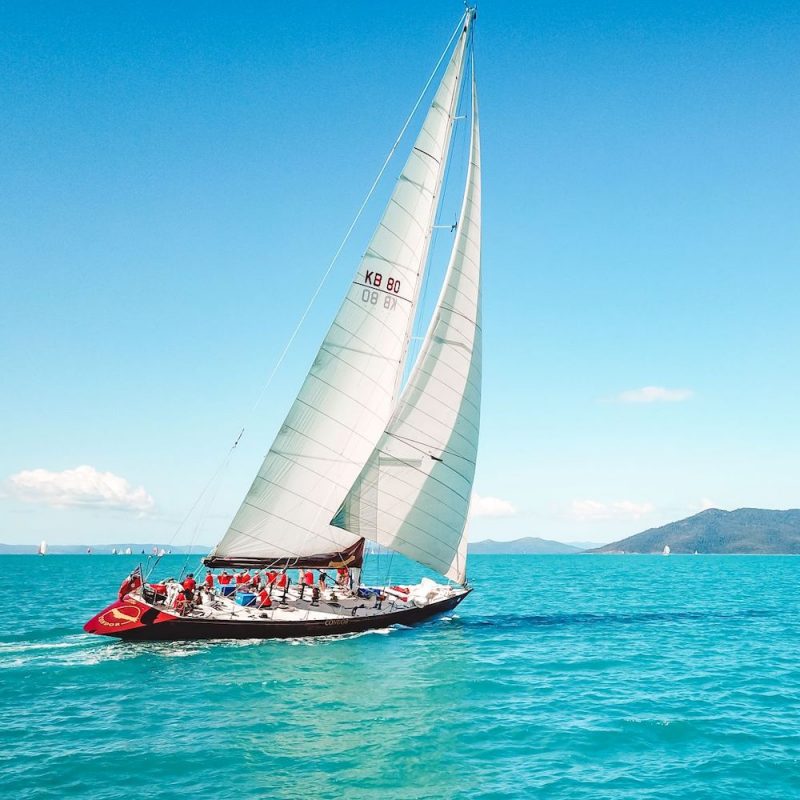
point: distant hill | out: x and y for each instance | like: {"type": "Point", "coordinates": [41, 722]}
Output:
{"type": "Point", "coordinates": [746, 530]}
{"type": "Point", "coordinates": [529, 545]}
{"type": "Point", "coordinates": [99, 549]}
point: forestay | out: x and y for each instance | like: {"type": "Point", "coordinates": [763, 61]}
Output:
{"type": "Point", "coordinates": [413, 494]}
{"type": "Point", "coordinates": [350, 391]}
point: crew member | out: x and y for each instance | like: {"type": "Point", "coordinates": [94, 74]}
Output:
{"type": "Point", "coordinates": [264, 600]}
{"type": "Point", "coordinates": [224, 579]}
{"type": "Point", "coordinates": [189, 585]}
{"type": "Point", "coordinates": [209, 580]}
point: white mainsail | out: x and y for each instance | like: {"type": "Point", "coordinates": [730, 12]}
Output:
{"type": "Point", "coordinates": [42, 548]}
{"type": "Point", "coordinates": [413, 494]}
{"type": "Point", "coordinates": [350, 391]}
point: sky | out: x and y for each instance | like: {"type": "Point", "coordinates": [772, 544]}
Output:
{"type": "Point", "coordinates": [176, 178]}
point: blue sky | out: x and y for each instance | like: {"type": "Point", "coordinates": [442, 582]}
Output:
{"type": "Point", "coordinates": [176, 178]}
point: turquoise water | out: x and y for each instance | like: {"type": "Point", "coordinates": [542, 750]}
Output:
{"type": "Point", "coordinates": [560, 677]}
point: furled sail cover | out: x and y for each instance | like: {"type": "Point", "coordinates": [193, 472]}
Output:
{"type": "Point", "coordinates": [349, 393]}
{"type": "Point", "coordinates": [413, 494]}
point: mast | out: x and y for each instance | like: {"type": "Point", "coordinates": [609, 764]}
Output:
{"type": "Point", "coordinates": [350, 391]}
{"type": "Point", "coordinates": [413, 494]}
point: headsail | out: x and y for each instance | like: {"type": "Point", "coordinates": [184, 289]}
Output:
{"type": "Point", "coordinates": [350, 391]}
{"type": "Point", "coordinates": [413, 494]}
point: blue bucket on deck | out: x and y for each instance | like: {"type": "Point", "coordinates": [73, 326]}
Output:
{"type": "Point", "coordinates": [227, 590]}
{"type": "Point", "coordinates": [246, 599]}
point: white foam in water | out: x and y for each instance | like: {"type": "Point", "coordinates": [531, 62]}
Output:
{"type": "Point", "coordinates": [25, 647]}
{"type": "Point", "coordinates": [315, 641]}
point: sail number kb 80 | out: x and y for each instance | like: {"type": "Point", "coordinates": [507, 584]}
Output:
{"type": "Point", "coordinates": [374, 287]}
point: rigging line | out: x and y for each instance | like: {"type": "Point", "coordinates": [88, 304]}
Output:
{"type": "Point", "coordinates": [194, 505]}
{"type": "Point", "coordinates": [371, 191]}
{"type": "Point", "coordinates": [327, 272]}
{"type": "Point", "coordinates": [202, 518]}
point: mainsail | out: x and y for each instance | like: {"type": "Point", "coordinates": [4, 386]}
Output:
{"type": "Point", "coordinates": [350, 392]}
{"type": "Point", "coordinates": [413, 494]}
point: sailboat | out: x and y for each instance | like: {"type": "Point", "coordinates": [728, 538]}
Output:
{"type": "Point", "coordinates": [42, 548]}
{"type": "Point", "coordinates": [361, 457]}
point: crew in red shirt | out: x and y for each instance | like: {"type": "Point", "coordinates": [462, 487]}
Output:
{"type": "Point", "coordinates": [256, 579]}
{"type": "Point", "coordinates": [209, 580]}
{"type": "Point", "coordinates": [180, 603]}
{"type": "Point", "coordinates": [343, 576]}
{"type": "Point", "coordinates": [281, 580]}
{"type": "Point", "coordinates": [189, 585]}
{"type": "Point", "coordinates": [264, 600]}
{"type": "Point", "coordinates": [223, 578]}
{"type": "Point", "coordinates": [271, 576]}
{"type": "Point", "coordinates": [308, 578]}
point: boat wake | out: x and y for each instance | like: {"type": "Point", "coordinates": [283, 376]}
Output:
{"type": "Point", "coordinates": [595, 618]}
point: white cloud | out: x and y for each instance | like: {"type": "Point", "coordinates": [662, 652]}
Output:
{"type": "Point", "coordinates": [83, 487]}
{"type": "Point", "coordinates": [490, 507]}
{"type": "Point", "coordinates": [594, 509]}
{"type": "Point", "coordinates": [654, 394]}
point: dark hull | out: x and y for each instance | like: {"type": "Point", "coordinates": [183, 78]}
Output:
{"type": "Point", "coordinates": [189, 628]}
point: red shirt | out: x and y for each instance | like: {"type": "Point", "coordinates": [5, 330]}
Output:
{"type": "Point", "coordinates": [264, 598]}
{"type": "Point", "coordinates": [256, 580]}
{"type": "Point", "coordinates": [224, 580]}
{"type": "Point", "coordinates": [271, 577]}
{"type": "Point", "coordinates": [308, 578]}
{"type": "Point", "coordinates": [190, 584]}
{"type": "Point", "coordinates": [209, 581]}
{"type": "Point", "coordinates": [281, 580]}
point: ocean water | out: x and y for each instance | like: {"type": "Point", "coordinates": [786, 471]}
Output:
{"type": "Point", "coordinates": [559, 677]}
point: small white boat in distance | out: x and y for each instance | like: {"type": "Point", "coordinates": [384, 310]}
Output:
{"type": "Point", "coordinates": [666, 550]}
{"type": "Point", "coordinates": [42, 548]}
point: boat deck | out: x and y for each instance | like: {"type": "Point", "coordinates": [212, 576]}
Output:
{"type": "Point", "coordinates": [332, 604]}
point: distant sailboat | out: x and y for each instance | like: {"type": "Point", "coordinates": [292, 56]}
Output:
{"type": "Point", "coordinates": [128, 551]}
{"type": "Point", "coordinates": [666, 550]}
{"type": "Point", "coordinates": [356, 458]}
{"type": "Point", "coordinates": [42, 548]}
